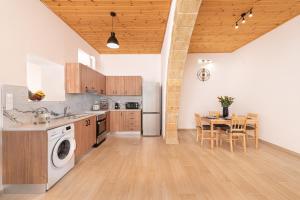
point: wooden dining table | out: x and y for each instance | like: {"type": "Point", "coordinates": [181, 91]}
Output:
{"type": "Point", "coordinates": [222, 121]}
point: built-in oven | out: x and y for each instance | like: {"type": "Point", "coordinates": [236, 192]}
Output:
{"type": "Point", "coordinates": [101, 129]}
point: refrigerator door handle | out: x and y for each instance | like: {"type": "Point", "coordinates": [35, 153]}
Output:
{"type": "Point", "coordinates": [151, 112]}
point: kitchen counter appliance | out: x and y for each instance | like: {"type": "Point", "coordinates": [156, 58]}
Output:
{"type": "Point", "coordinates": [101, 129]}
{"type": "Point", "coordinates": [117, 106]}
{"type": "Point", "coordinates": [132, 105]}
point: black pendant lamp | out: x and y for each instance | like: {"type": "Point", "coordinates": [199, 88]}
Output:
{"type": "Point", "coordinates": [112, 41]}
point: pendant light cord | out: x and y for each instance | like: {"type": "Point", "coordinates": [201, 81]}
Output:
{"type": "Point", "coordinates": [112, 24]}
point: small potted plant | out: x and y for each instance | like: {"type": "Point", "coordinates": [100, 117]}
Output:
{"type": "Point", "coordinates": [225, 101]}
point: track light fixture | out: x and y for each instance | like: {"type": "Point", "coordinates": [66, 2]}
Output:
{"type": "Point", "coordinates": [243, 17]}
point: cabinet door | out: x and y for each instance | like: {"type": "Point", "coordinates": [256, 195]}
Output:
{"type": "Point", "coordinates": [138, 85]}
{"type": "Point", "coordinates": [85, 135]}
{"type": "Point", "coordinates": [81, 141]}
{"type": "Point", "coordinates": [119, 85]}
{"type": "Point", "coordinates": [108, 122]}
{"type": "Point", "coordinates": [25, 159]}
{"type": "Point", "coordinates": [101, 84]}
{"type": "Point", "coordinates": [75, 78]}
{"type": "Point", "coordinates": [91, 79]}
{"type": "Point", "coordinates": [110, 85]}
{"type": "Point", "coordinates": [91, 133]}
{"type": "Point", "coordinates": [83, 78]}
{"type": "Point", "coordinates": [114, 85]}
{"type": "Point", "coordinates": [132, 85]}
{"type": "Point", "coordinates": [116, 121]}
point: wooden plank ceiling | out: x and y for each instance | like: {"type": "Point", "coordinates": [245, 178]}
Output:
{"type": "Point", "coordinates": [140, 24]}
{"type": "Point", "coordinates": [215, 32]}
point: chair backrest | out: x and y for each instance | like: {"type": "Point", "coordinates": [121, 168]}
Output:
{"type": "Point", "coordinates": [238, 124]}
{"type": "Point", "coordinates": [214, 114]}
{"type": "Point", "coordinates": [198, 119]}
{"type": "Point", "coordinates": [252, 115]}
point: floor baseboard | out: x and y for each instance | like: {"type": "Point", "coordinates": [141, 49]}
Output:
{"type": "Point", "coordinates": [293, 153]}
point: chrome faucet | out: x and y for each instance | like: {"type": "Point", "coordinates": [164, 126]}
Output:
{"type": "Point", "coordinates": [66, 111]}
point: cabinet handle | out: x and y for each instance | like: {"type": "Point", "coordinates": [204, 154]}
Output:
{"type": "Point", "coordinates": [86, 122]}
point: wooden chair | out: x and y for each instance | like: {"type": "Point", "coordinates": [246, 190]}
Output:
{"type": "Point", "coordinates": [203, 129]}
{"type": "Point", "coordinates": [251, 127]}
{"type": "Point", "coordinates": [237, 129]}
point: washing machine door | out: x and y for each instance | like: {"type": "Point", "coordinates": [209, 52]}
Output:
{"type": "Point", "coordinates": [63, 151]}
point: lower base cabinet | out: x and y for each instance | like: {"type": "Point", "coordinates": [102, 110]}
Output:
{"type": "Point", "coordinates": [125, 121]}
{"type": "Point", "coordinates": [25, 157]}
{"type": "Point", "coordinates": [85, 135]}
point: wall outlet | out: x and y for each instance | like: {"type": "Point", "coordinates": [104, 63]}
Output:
{"type": "Point", "coordinates": [9, 101]}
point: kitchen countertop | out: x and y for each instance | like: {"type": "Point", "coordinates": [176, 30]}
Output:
{"type": "Point", "coordinates": [125, 110]}
{"type": "Point", "coordinates": [54, 123]}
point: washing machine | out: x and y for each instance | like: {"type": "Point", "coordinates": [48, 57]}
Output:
{"type": "Point", "coordinates": [61, 153]}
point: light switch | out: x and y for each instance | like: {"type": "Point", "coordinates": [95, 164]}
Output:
{"type": "Point", "coordinates": [9, 101]}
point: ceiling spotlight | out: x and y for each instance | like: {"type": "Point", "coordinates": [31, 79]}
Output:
{"type": "Point", "coordinates": [236, 25]}
{"type": "Point", "coordinates": [250, 13]}
{"type": "Point", "coordinates": [204, 61]}
{"type": "Point", "coordinates": [243, 21]}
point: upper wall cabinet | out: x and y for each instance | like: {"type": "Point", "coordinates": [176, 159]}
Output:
{"type": "Point", "coordinates": [133, 86]}
{"type": "Point", "coordinates": [123, 85]}
{"type": "Point", "coordinates": [114, 85]}
{"type": "Point", "coordinates": [80, 79]}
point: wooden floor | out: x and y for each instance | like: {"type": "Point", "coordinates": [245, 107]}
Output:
{"type": "Point", "coordinates": [136, 168]}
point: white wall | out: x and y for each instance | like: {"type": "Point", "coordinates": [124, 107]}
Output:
{"type": "Point", "coordinates": [146, 65]}
{"type": "Point", "coordinates": [1, 126]}
{"type": "Point", "coordinates": [29, 27]}
{"type": "Point", "coordinates": [263, 76]}
{"type": "Point", "coordinates": [165, 52]}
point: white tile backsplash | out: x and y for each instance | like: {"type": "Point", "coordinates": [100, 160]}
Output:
{"type": "Point", "coordinates": [78, 103]}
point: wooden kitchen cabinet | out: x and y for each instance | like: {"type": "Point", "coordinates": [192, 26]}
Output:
{"type": "Point", "coordinates": [25, 157]}
{"type": "Point", "coordinates": [123, 85]}
{"type": "Point", "coordinates": [101, 84]}
{"type": "Point", "coordinates": [80, 79]}
{"type": "Point", "coordinates": [132, 121]}
{"type": "Point", "coordinates": [132, 85]}
{"type": "Point", "coordinates": [91, 78]}
{"type": "Point", "coordinates": [116, 122]}
{"type": "Point", "coordinates": [125, 121]}
{"type": "Point", "coordinates": [115, 85]}
{"type": "Point", "coordinates": [85, 135]}
{"type": "Point", "coordinates": [108, 122]}
{"type": "Point", "coordinates": [76, 78]}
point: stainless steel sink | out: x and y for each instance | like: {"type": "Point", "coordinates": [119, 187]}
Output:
{"type": "Point", "coordinates": [70, 116]}
{"type": "Point", "coordinates": [76, 116]}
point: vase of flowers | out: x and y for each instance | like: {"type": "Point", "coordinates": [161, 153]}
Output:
{"type": "Point", "coordinates": [225, 101]}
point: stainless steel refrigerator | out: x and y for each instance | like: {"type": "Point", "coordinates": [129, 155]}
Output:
{"type": "Point", "coordinates": [151, 109]}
